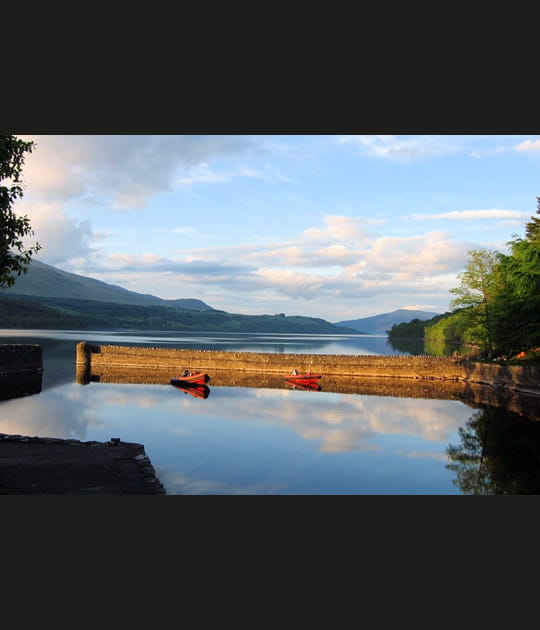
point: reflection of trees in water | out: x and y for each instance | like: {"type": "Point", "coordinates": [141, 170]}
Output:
{"type": "Point", "coordinates": [499, 453]}
{"type": "Point", "coordinates": [411, 346]}
{"type": "Point", "coordinates": [428, 346]}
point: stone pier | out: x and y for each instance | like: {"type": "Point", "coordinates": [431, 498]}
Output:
{"type": "Point", "coordinates": [142, 364]}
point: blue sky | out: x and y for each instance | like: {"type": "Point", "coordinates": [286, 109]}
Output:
{"type": "Point", "coordinates": [338, 227]}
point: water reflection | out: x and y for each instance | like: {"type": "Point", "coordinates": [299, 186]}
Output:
{"type": "Point", "coordinates": [54, 413]}
{"type": "Point", "coordinates": [197, 391]}
{"type": "Point", "coordinates": [244, 440]}
{"type": "Point", "coordinates": [249, 437]}
{"type": "Point", "coordinates": [498, 453]}
{"type": "Point", "coordinates": [429, 347]}
{"type": "Point", "coordinates": [16, 385]}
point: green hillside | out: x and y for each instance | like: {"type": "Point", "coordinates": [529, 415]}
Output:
{"type": "Point", "coordinates": [67, 314]}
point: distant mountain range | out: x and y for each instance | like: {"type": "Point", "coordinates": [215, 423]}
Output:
{"type": "Point", "coordinates": [48, 298]}
{"type": "Point", "coordinates": [44, 280]}
{"type": "Point", "coordinates": [380, 324]}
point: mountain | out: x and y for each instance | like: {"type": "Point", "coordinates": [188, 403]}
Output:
{"type": "Point", "coordinates": [380, 324]}
{"type": "Point", "coordinates": [44, 280]}
{"type": "Point", "coordinates": [49, 298]}
{"type": "Point", "coordinates": [52, 313]}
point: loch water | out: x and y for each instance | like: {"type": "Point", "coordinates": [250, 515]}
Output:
{"type": "Point", "coordinates": [254, 440]}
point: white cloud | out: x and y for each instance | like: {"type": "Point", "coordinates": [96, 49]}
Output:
{"type": "Point", "coordinates": [201, 175]}
{"type": "Point", "coordinates": [122, 171]}
{"type": "Point", "coordinates": [474, 215]}
{"type": "Point", "coordinates": [416, 256]}
{"type": "Point", "coordinates": [341, 228]}
{"type": "Point", "coordinates": [481, 153]}
{"type": "Point", "coordinates": [108, 172]}
{"type": "Point", "coordinates": [177, 230]}
{"type": "Point", "coordinates": [400, 148]}
{"type": "Point", "coordinates": [298, 269]}
{"type": "Point", "coordinates": [528, 145]}
{"type": "Point", "coordinates": [61, 237]}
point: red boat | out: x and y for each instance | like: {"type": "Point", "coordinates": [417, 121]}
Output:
{"type": "Point", "coordinates": [306, 378]}
{"type": "Point", "coordinates": [311, 385]}
{"type": "Point", "coordinates": [193, 378]}
{"type": "Point", "coordinates": [197, 390]}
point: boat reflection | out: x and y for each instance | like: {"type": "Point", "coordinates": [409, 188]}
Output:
{"type": "Point", "coordinates": [197, 390]}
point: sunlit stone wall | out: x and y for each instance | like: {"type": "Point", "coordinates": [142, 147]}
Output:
{"type": "Point", "coordinates": [354, 365]}
{"type": "Point", "coordinates": [173, 361]}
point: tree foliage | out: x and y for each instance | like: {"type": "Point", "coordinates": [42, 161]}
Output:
{"type": "Point", "coordinates": [477, 292]}
{"type": "Point", "coordinates": [517, 312]}
{"type": "Point", "coordinates": [14, 257]}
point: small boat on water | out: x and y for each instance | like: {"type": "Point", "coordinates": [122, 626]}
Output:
{"type": "Point", "coordinates": [192, 378]}
{"type": "Point", "coordinates": [198, 390]}
{"type": "Point", "coordinates": [307, 377]}
{"type": "Point", "coordinates": [308, 385]}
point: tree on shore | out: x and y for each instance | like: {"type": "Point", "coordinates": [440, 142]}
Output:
{"type": "Point", "coordinates": [14, 258]}
{"type": "Point", "coordinates": [479, 285]}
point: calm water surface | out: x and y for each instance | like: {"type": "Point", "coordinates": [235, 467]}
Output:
{"type": "Point", "coordinates": [243, 440]}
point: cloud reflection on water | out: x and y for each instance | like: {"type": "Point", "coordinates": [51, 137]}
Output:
{"type": "Point", "coordinates": [250, 440]}
{"type": "Point", "coordinates": [48, 415]}
{"type": "Point", "coordinates": [338, 422]}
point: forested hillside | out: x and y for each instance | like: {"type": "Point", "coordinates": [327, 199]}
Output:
{"type": "Point", "coordinates": [58, 313]}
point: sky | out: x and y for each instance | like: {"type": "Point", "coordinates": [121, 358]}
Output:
{"type": "Point", "coordinates": [330, 226]}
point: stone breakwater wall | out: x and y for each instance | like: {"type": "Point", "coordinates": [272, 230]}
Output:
{"type": "Point", "coordinates": [20, 358]}
{"type": "Point", "coordinates": [171, 362]}
{"type": "Point", "coordinates": [211, 360]}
